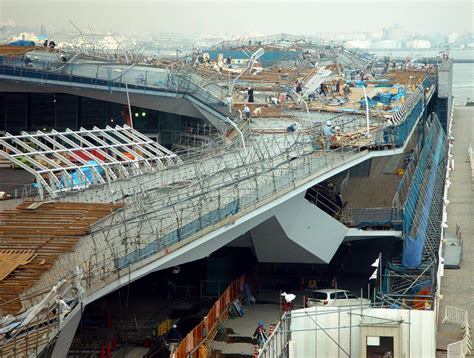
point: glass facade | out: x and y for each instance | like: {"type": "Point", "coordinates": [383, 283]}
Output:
{"type": "Point", "coordinates": [45, 111]}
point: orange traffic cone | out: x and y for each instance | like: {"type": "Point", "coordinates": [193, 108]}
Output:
{"type": "Point", "coordinates": [109, 320]}
{"type": "Point", "coordinates": [114, 343]}
{"type": "Point", "coordinates": [270, 331]}
{"type": "Point", "coordinates": [256, 352]}
{"type": "Point", "coordinates": [102, 351]}
{"type": "Point", "coordinates": [134, 324]}
{"type": "Point", "coordinates": [108, 352]}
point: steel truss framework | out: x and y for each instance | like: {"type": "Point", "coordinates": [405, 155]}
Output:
{"type": "Point", "coordinates": [401, 285]}
{"type": "Point", "coordinates": [71, 160]}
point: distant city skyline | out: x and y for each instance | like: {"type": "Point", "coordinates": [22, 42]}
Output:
{"type": "Point", "coordinates": [243, 17]}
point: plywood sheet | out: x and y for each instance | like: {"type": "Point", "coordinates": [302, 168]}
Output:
{"type": "Point", "coordinates": [11, 259]}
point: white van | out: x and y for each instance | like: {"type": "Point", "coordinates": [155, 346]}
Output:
{"type": "Point", "coordinates": [332, 297]}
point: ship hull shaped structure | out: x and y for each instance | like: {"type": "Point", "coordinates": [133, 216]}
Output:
{"type": "Point", "coordinates": [249, 189]}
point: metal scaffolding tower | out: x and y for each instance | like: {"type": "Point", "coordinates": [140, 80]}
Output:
{"type": "Point", "coordinates": [411, 281]}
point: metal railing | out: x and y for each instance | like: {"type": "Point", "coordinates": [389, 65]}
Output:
{"type": "Point", "coordinates": [29, 333]}
{"type": "Point", "coordinates": [276, 346]}
{"type": "Point", "coordinates": [139, 79]}
{"type": "Point", "coordinates": [455, 350]}
{"type": "Point", "coordinates": [390, 218]}
{"type": "Point", "coordinates": [460, 318]}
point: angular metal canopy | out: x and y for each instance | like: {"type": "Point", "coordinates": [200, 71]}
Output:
{"type": "Point", "coordinates": [71, 160]}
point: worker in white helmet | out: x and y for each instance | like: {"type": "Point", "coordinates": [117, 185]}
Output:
{"type": "Point", "coordinates": [328, 132]}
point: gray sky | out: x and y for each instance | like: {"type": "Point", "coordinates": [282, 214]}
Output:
{"type": "Point", "coordinates": [244, 16]}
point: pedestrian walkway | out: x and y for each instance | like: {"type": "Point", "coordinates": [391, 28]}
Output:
{"type": "Point", "coordinates": [239, 341]}
{"type": "Point", "coordinates": [457, 286]}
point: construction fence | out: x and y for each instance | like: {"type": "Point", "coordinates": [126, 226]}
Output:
{"type": "Point", "coordinates": [208, 327]}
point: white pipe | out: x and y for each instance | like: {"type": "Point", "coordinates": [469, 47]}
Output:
{"type": "Point", "coordinates": [240, 132]}
{"type": "Point", "coordinates": [255, 56]}
{"type": "Point", "coordinates": [129, 106]}
{"type": "Point", "coordinates": [128, 97]}
{"type": "Point", "coordinates": [366, 112]}
{"type": "Point", "coordinates": [306, 105]}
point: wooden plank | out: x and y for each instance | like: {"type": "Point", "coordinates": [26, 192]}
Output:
{"type": "Point", "coordinates": [49, 230]}
{"type": "Point", "coordinates": [11, 259]}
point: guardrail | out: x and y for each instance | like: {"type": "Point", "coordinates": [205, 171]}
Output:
{"type": "Point", "coordinates": [208, 327]}
{"type": "Point", "coordinates": [371, 217]}
{"type": "Point", "coordinates": [459, 317]}
{"type": "Point", "coordinates": [455, 315]}
{"type": "Point", "coordinates": [138, 79]}
{"type": "Point", "coordinates": [29, 333]}
{"type": "Point", "coordinates": [276, 345]}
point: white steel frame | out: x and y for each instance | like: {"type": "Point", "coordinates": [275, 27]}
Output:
{"type": "Point", "coordinates": [53, 157]}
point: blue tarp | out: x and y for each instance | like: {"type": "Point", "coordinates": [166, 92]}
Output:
{"type": "Point", "coordinates": [22, 43]}
{"type": "Point", "coordinates": [413, 246]}
{"type": "Point", "coordinates": [384, 98]}
{"type": "Point", "coordinates": [268, 58]}
{"type": "Point", "coordinates": [371, 102]}
{"type": "Point", "coordinates": [78, 179]}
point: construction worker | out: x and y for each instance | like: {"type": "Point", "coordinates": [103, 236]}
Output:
{"type": "Point", "coordinates": [173, 337]}
{"type": "Point", "coordinates": [299, 88]}
{"type": "Point", "coordinates": [260, 334]}
{"type": "Point", "coordinates": [328, 132]}
{"type": "Point", "coordinates": [228, 102]}
{"type": "Point", "coordinates": [292, 127]}
{"type": "Point", "coordinates": [247, 112]}
{"type": "Point", "coordinates": [250, 94]}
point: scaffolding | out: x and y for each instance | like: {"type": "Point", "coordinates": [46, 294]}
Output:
{"type": "Point", "coordinates": [169, 207]}
{"type": "Point", "coordinates": [410, 282]}
{"type": "Point", "coordinates": [341, 331]}
{"type": "Point", "coordinates": [73, 160]}
{"type": "Point", "coordinates": [194, 135]}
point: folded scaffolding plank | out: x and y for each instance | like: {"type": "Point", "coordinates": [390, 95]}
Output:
{"type": "Point", "coordinates": [71, 160]}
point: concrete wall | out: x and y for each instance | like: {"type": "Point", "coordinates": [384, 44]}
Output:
{"type": "Point", "coordinates": [332, 332]}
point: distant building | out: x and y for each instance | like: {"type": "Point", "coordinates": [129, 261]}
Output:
{"type": "Point", "coordinates": [418, 44]}
{"type": "Point", "coordinates": [386, 44]}
{"type": "Point", "coordinates": [393, 33]}
{"type": "Point", "coordinates": [358, 44]}
{"type": "Point", "coordinates": [452, 38]}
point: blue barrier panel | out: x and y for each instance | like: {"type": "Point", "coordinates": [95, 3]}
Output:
{"type": "Point", "coordinates": [425, 179]}
{"type": "Point", "coordinates": [182, 233]}
{"type": "Point", "coordinates": [402, 131]}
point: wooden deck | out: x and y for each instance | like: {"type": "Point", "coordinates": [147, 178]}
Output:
{"type": "Point", "coordinates": [44, 231]}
